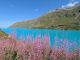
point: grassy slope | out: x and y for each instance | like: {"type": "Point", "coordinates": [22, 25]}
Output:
{"type": "Point", "coordinates": [68, 19]}
{"type": "Point", "coordinates": [3, 35]}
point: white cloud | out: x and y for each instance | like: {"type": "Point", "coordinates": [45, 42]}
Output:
{"type": "Point", "coordinates": [36, 10]}
{"type": "Point", "coordinates": [12, 5]}
{"type": "Point", "coordinates": [71, 4]}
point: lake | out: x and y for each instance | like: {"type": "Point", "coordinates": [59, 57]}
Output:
{"type": "Point", "coordinates": [71, 36]}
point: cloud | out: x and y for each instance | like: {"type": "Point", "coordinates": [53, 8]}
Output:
{"type": "Point", "coordinates": [12, 5]}
{"type": "Point", "coordinates": [36, 10]}
{"type": "Point", "coordinates": [71, 4]}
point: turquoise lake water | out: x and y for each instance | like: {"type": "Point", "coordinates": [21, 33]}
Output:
{"type": "Point", "coordinates": [71, 36]}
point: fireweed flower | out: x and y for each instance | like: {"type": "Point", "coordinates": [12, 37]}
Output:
{"type": "Point", "coordinates": [38, 49]}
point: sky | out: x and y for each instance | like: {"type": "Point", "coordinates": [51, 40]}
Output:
{"type": "Point", "coordinates": [12, 11]}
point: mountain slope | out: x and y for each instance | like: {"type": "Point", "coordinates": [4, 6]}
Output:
{"type": "Point", "coordinates": [67, 19]}
{"type": "Point", "coordinates": [3, 35]}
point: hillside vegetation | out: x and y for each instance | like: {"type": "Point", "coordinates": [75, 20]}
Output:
{"type": "Point", "coordinates": [67, 19]}
{"type": "Point", "coordinates": [3, 35]}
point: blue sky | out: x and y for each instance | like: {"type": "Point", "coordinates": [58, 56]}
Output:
{"type": "Point", "coordinates": [12, 11]}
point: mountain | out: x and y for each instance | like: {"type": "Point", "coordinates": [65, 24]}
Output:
{"type": "Point", "coordinates": [64, 18]}
{"type": "Point", "coordinates": [3, 35]}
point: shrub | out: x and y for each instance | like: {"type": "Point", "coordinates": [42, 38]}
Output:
{"type": "Point", "coordinates": [37, 50]}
